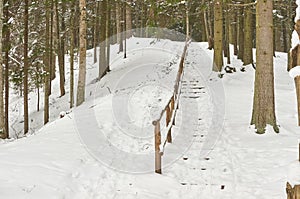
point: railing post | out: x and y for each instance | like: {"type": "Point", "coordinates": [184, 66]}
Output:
{"type": "Point", "coordinates": [172, 108]}
{"type": "Point", "coordinates": [168, 119]}
{"type": "Point", "coordinates": [157, 143]}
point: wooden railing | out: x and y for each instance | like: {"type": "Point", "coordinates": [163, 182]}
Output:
{"type": "Point", "coordinates": [169, 111]}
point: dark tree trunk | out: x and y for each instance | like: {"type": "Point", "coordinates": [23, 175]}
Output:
{"type": "Point", "coordinates": [26, 65]}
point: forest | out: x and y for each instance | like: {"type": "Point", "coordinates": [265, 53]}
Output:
{"type": "Point", "coordinates": [36, 33]}
{"type": "Point", "coordinates": [205, 93]}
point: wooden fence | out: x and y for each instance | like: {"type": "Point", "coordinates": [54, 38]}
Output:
{"type": "Point", "coordinates": [169, 112]}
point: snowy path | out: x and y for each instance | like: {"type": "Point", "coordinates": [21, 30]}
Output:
{"type": "Point", "coordinates": [198, 173]}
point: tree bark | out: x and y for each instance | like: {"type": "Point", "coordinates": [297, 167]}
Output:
{"type": "Point", "coordinates": [241, 33]}
{"type": "Point", "coordinates": [82, 58]}
{"type": "Point", "coordinates": [248, 41]}
{"type": "Point", "coordinates": [53, 43]}
{"type": "Point", "coordinates": [72, 32]}
{"type": "Point", "coordinates": [227, 27]}
{"type": "Point", "coordinates": [26, 66]}
{"type": "Point", "coordinates": [128, 19]}
{"type": "Point", "coordinates": [264, 99]}
{"type": "Point", "coordinates": [102, 55]}
{"type": "Point", "coordinates": [295, 61]}
{"type": "Point", "coordinates": [218, 36]}
{"type": "Point", "coordinates": [47, 66]}
{"type": "Point", "coordinates": [60, 50]}
{"type": "Point", "coordinates": [297, 83]}
{"type": "Point", "coordinates": [96, 30]}
{"type": "Point", "coordinates": [7, 48]}
{"type": "Point", "coordinates": [108, 36]}
{"type": "Point", "coordinates": [234, 32]}
{"type": "Point", "coordinates": [2, 120]}
{"type": "Point", "coordinates": [207, 32]}
{"type": "Point", "coordinates": [118, 23]}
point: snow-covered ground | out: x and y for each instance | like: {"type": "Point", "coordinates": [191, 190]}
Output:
{"type": "Point", "coordinates": [104, 148]}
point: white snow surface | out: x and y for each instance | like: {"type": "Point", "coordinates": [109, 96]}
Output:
{"type": "Point", "coordinates": [294, 72]}
{"type": "Point", "coordinates": [104, 148]}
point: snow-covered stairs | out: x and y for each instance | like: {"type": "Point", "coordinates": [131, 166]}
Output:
{"type": "Point", "coordinates": [203, 175]}
{"type": "Point", "coordinates": [191, 89]}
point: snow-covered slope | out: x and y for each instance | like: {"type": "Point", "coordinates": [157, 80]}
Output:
{"type": "Point", "coordinates": [104, 148]}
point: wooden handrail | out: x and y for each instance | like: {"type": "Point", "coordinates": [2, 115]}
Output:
{"type": "Point", "coordinates": [170, 109]}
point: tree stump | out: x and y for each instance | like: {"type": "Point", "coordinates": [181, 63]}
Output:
{"type": "Point", "coordinates": [292, 192]}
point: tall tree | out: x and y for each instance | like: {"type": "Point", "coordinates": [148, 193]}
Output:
{"type": "Point", "coordinates": [218, 36]}
{"type": "Point", "coordinates": [7, 48]}
{"type": "Point", "coordinates": [108, 36]}
{"type": "Point", "coordinates": [226, 31]}
{"type": "Point", "coordinates": [264, 102]}
{"type": "Point", "coordinates": [60, 46]}
{"type": "Point", "coordinates": [248, 35]}
{"type": "Point", "coordinates": [128, 18]}
{"type": "Point", "coordinates": [241, 33]}
{"type": "Point", "coordinates": [26, 66]}
{"type": "Point", "coordinates": [2, 121]}
{"type": "Point", "coordinates": [47, 58]}
{"type": "Point", "coordinates": [72, 32]}
{"type": "Point", "coordinates": [118, 21]}
{"type": "Point", "coordinates": [96, 30]}
{"type": "Point", "coordinates": [208, 32]}
{"type": "Point", "coordinates": [295, 61]}
{"type": "Point", "coordinates": [102, 55]}
{"type": "Point", "coordinates": [82, 55]}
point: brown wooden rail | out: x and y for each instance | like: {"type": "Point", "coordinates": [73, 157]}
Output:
{"type": "Point", "coordinates": [170, 110]}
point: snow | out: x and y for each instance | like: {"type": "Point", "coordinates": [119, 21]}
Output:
{"type": "Point", "coordinates": [294, 72]}
{"type": "Point", "coordinates": [104, 148]}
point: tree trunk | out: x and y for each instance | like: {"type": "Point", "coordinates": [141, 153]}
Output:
{"type": "Point", "coordinates": [290, 16]}
{"type": "Point", "coordinates": [7, 48]}
{"type": "Point", "coordinates": [124, 35]}
{"type": "Point", "coordinates": [128, 19]}
{"type": "Point", "coordinates": [72, 32]}
{"type": "Point", "coordinates": [296, 62]}
{"type": "Point", "coordinates": [60, 49]}
{"type": "Point", "coordinates": [264, 99]}
{"type": "Point", "coordinates": [102, 56]}
{"type": "Point", "coordinates": [241, 34]}
{"type": "Point", "coordinates": [210, 25]}
{"type": "Point", "coordinates": [2, 120]}
{"type": "Point", "coordinates": [297, 83]}
{"type": "Point", "coordinates": [207, 32]}
{"type": "Point", "coordinates": [53, 43]}
{"type": "Point", "coordinates": [47, 66]}
{"type": "Point", "coordinates": [248, 41]}
{"type": "Point", "coordinates": [82, 58]}
{"type": "Point", "coordinates": [26, 65]}
{"type": "Point", "coordinates": [118, 23]}
{"type": "Point", "coordinates": [96, 31]}
{"type": "Point", "coordinates": [187, 20]}
{"type": "Point", "coordinates": [218, 36]}
{"type": "Point", "coordinates": [227, 24]}
{"type": "Point", "coordinates": [234, 31]}
{"type": "Point", "coordinates": [108, 36]}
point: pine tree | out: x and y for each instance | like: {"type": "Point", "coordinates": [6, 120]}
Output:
{"type": "Point", "coordinates": [82, 56]}
{"type": "Point", "coordinates": [264, 99]}
{"type": "Point", "coordinates": [47, 59]}
{"type": "Point", "coordinates": [2, 121]}
{"type": "Point", "coordinates": [26, 66]}
{"type": "Point", "coordinates": [218, 36]}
